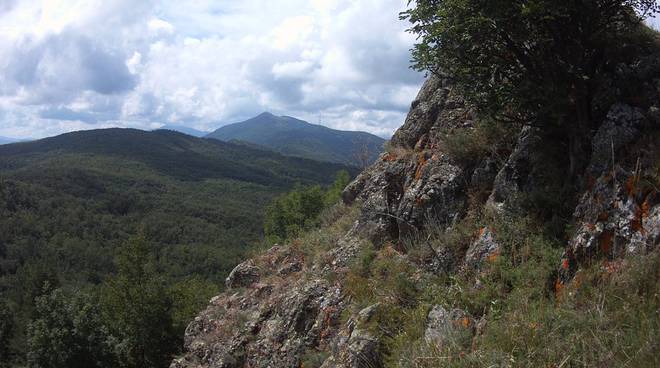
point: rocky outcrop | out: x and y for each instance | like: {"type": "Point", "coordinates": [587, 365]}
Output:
{"type": "Point", "coordinates": [282, 306]}
{"type": "Point", "coordinates": [483, 249]}
{"type": "Point", "coordinates": [245, 274]}
{"type": "Point", "coordinates": [357, 347]}
{"type": "Point", "coordinates": [618, 214]}
{"type": "Point", "coordinates": [269, 323]}
{"type": "Point", "coordinates": [415, 181]}
{"type": "Point", "coordinates": [445, 327]}
{"type": "Point", "coordinates": [518, 173]}
{"type": "Point", "coordinates": [622, 127]}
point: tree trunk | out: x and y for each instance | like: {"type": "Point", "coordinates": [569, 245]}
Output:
{"type": "Point", "coordinates": [578, 139]}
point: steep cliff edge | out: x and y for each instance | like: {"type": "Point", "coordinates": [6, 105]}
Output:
{"type": "Point", "coordinates": [464, 245]}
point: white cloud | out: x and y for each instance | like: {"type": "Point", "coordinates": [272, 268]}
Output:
{"type": "Point", "coordinates": [81, 64]}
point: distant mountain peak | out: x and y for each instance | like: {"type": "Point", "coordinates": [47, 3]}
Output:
{"type": "Point", "coordinates": [295, 137]}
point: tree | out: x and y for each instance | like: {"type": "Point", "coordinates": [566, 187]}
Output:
{"type": "Point", "coordinates": [189, 296]}
{"type": "Point", "coordinates": [137, 307]}
{"type": "Point", "coordinates": [333, 194]}
{"type": "Point", "coordinates": [6, 333]}
{"type": "Point", "coordinates": [287, 215]}
{"type": "Point", "coordinates": [536, 62]}
{"type": "Point", "coordinates": [67, 332]}
{"type": "Point", "coordinates": [292, 212]}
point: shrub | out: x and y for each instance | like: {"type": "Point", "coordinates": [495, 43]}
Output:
{"type": "Point", "coordinates": [291, 213]}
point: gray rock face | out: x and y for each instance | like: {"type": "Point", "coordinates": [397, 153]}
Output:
{"type": "Point", "coordinates": [357, 348]}
{"type": "Point", "coordinates": [445, 327]}
{"type": "Point", "coordinates": [399, 195]}
{"type": "Point", "coordinates": [483, 249]}
{"type": "Point", "coordinates": [245, 274]}
{"type": "Point", "coordinates": [273, 320]}
{"type": "Point", "coordinates": [617, 216]}
{"type": "Point", "coordinates": [424, 112]}
{"type": "Point", "coordinates": [415, 181]}
{"type": "Point", "coordinates": [621, 127]}
{"type": "Point", "coordinates": [517, 174]}
{"type": "Point", "coordinates": [618, 213]}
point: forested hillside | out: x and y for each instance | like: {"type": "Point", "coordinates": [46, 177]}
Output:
{"type": "Point", "coordinates": [183, 210]}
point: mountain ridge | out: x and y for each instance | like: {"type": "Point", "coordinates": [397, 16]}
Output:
{"type": "Point", "coordinates": [203, 158]}
{"type": "Point", "coordinates": [295, 137]}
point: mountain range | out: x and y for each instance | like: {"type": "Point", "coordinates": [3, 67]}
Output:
{"type": "Point", "coordinates": [294, 137]}
{"type": "Point", "coordinates": [7, 140]}
{"type": "Point", "coordinates": [184, 130]}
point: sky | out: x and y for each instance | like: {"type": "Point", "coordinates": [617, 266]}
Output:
{"type": "Point", "coordinates": [85, 64]}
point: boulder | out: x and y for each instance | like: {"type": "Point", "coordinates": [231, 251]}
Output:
{"type": "Point", "coordinates": [483, 249]}
{"type": "Point", "coordinates": [621, 128]}
{"type": "Point", "coordinates": [245, 274]}
{"type": "Point", "coordinates": [445, 327]}
{"type": "Point", "coordinates": [617, 216]}
{"type": "Point", "coordinates": [517, 174]}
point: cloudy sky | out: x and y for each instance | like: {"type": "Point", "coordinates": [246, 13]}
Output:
{"type": "Point", "coordinates": [84, 64]}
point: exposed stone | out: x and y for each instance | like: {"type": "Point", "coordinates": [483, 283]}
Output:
{"type": "Point", "coordinates": [617, 216]}
{"type": "Point", "coordinates": [424, 112]}
{"type": "Point", "coordinates": [516, 175]}
{"type": "Point", "coordinates": [483, 249]}
{"type": "Point", "coordinates": [444, 327]}
{"type": "Point", "coordinates": [398, 196]}
{"type": "Point", "coordinates": [245, 274]}
{"type": "Point", "coordinates": [621, 127]}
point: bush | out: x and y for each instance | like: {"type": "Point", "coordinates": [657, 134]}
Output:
{"type": "Point", "coordinates": [470, 146]}
{"type": "Point", "coordinates": [291, 213]}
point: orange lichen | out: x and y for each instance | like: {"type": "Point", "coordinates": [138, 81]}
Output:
{"type": "Point", "coordinates": [636, 222]}
{"type": "Point", "coordinates": [603, 216]}
{"type": "Point", "coordinates": [612, 267]}
{"type": "Point", "coordinates": [605, 241]}
{"type": "Point", "coordinates": [328, 321]}
{"type": "Point", "coordinates": [465, 321]}
{"type": "Point", "coordinates": [631, 185]}
{"type": "Point", "coordinates": [421, 161]}
{"type": "Point", "coordinates": [559, 286]}
{"type": "Point", "coordinates": [493, 256]}
{"type": "Point", "coordinates": [482, 231]}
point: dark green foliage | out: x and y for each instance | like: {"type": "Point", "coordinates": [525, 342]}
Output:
{"type": "Point", "coordinates": [138, 308]}
{"type": "Point", "coordinates": [166, 153]}
{"type": "Point", "coordinates": [6, 333]}
{"type": "Point", "coordinates": [299, 210]}
{"type": "Point", "coordinates": [524, 58]}
{"type": "Point", "coordinates": [333, 193]}
{"type": "Point", "coordinates": [290, 213]}
{"type": "Point", "coordinates": [67, 331]}
{"type": "Point", "coordinates": [68, 203]}
{"type": "Point", "coordinates": [538, 62]}
{"type": "Point", "coordinates": [189, 296]}
{"type": "Point", "coordinates": [298, 138]}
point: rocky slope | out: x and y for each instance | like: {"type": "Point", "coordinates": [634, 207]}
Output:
{"type": "Point", "coordinates": [290, 306]}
